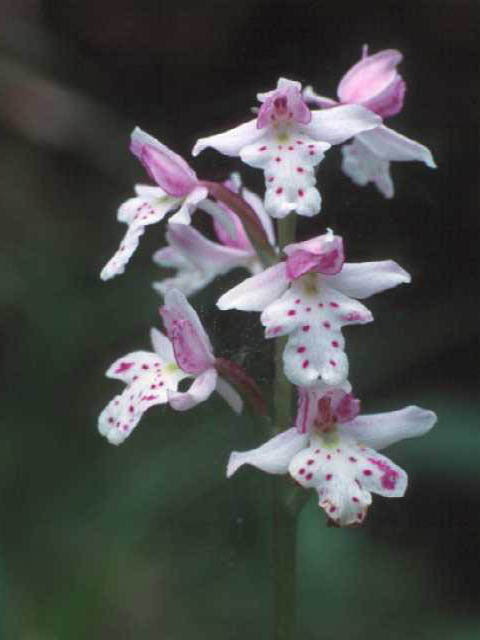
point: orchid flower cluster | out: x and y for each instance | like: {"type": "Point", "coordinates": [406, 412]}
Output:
{"type": "Point", "coordinates": [304, 291]}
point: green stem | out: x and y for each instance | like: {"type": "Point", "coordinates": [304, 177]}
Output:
{"type": "Point", "coordinates": [284, 518]}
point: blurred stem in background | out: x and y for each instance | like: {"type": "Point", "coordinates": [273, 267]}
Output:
{"type": "Point", "coordinates": [284, 508]}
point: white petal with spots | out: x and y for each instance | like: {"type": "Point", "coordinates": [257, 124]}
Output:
{"type": "Point", "coordinates": [362, 166]}
{"type": "Point", "coordinates": [312, 315]}
{"type": "Point", "coordinates": [289, 162]}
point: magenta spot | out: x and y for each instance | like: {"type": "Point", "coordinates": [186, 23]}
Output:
{"type": "Point", "coordinates": [280, 147]}
{"type": "Point", "coordinates": [355, 499]}
{"type": "Point", "coordinates": [353, 317]}
{"type": "Point", "coordinates": [110, 420]}
{"type": "Point", "coordinates": [161, 384]}
{"type": "Point", "coordinates": [299, 141]}
{"type": "Point", "coordinates": [153, 386]}
{"type": "Point", "coordinates": [308, 309]}
{"type": "Point", "coordinates": [327, 325]}
{"type": "Point", "coordinates": [306, 327]}
{"type": "Point", "coordinates": [297, 301]}
{"type": "Point", "coordinates": [309, 476]}
{"type": "Point", "coordinates": [271, 179]}
{"type": "Point", "coordinates": [305, 363]}
{"type": "Point", "coordinates": [334, 343]}
{"type": "Point", "coordinates": [301, 193]}
{"type": "Point", "coordinates": [389, 477]}
{"type": "Point", "coordinates": [333, 363]}
{"type": "Point", "coordinates": [311, 153]}
{"type": "Point", "coordinates": [311, 146]}
{"type": "Point", "coordinates": [290, 148]}
{"type": "Point", "coordinates": [332, 509]}
{"type": "Point", "coordinates": [359, 516]}
{"type": "Point", "coordinates": [145, 366]}
{"type": "Point", "coordinates": [352, 459]}
{"type": "Point", "coordinates": [367, 472]}
{"type": "Point", "coordinates": [334, 305]}
{"type": "Point", "coordinates": [329, 476]}
{"type": "Point", "coordinates": [277, 159]}
{"type": "Point", "coordinates": [279, 190]}
{"type": "Point", "coordinates": [124, 366]}
{"type": "Point", "coordinates": [320, 304]}
{"type": "Point", "coordinates": [317, 450]}
{"type": "Point", "coordinates": [329, 457]}
{"type": "Point", "coordinates": [125, 427]}
{"type": "Point", "coordinates": [301, 349]}
{"type": "Point", "coordinates": [301, 471]}
{"type": "Point", "coordinates": [277, 329]}
{"type": "Point", "coordinates": [149, 398]}
{"type": "Point", "coordinates": [263, 148]}
{"type": "Point", "coordinates": [131, 409]}
{"type": "Point", "coordinates": [135, 378]}
{"type": "Point", "coordinates": [300, 169]}
{"type": "Point", "coordinates": [291, 312]}
{"type": "Point", "coordinates": [310, 461]}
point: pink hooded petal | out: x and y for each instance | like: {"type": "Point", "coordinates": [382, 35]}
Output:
{"type": "Point", "coordinates": [372, 77]}
{"type": "Point", "coordinates": [273, 456]}
{"type": "Point", "coordinates": [255, 293]}
{"type": "Point", "coordinates": [322, 254]}
{"type": "Point", "coordinates": [365, 279]}
{"type": "Point", "coordinates": [285, 104]}
{"type": "Point", "coordinates": [201, 389]}
{"type": "Point", "coordinates": [229, 394]}
{"type": "Point", "coordinates": [167, 168]}
{"type": "Point", "coordinates": [390, 145]}
{"type": "Point", "coordinates": [231, 142]}
{"type": "Point", "coordinates": [308, 404]}
{"type": "Point", "coordinates": [193, 351]}
{"type": "Point", "coordinates": [383, 429]}
{"type": "Point", "coordinates": [338, 124]}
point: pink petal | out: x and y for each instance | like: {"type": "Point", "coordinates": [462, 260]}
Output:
{"type": "Point", "coordinates": [338, 124]}
{"type": "Point", "coordinates": [201, 389]}
{"type": "Point", "coordinates": [193, 351]}
{"type": "Point", "coordinates": [374, 81]}
{"type": "Point", "coordinates": [255, 293]}
{"type": "Point", "coordinates": [273, 456]}
{"type": "Point", "coordinates": [383, 429]}
{"type": "Point", "coordinates": [365, 279]}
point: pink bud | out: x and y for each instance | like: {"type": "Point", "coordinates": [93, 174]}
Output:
{"type": "Point", "coordinates": [168, 169]}
{"type": "Point", "coordinates": [375, 83]}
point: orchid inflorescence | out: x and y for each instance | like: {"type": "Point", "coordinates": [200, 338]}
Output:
{"type": "Point", "coordinates": [305, 291]}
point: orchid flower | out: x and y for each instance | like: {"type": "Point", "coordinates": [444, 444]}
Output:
{"type": "Point", "coordinates": [333, 450]}
{"type": "Point", "coordinates": [309, 297]}
{"type": "Point", "coordinates": [153, 377]}
{"type": "Point", "coordinates": [375, 83]}
{"type": "Point", "coordinates": [199, 261]}
{"type": "Point", "coordinates": [287, 141]}
{"type": "Point", "coordinates": [179, 190]}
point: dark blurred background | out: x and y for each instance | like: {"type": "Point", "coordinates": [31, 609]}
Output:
{"type": "Point", "coordinates": [149, 540]}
